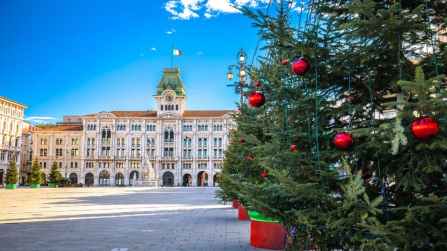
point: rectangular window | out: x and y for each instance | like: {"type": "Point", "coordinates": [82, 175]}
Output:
{"type": "Point", "coordinates": [74, 152]}
{"type": "Point", "coordinates": [74, 141]}
{"type": "Point", "coordinates": [91, 127]}
{"type": "Point", "coordinates": [121, 127]}
{"type": "Point", "coordinates": [150, 127]}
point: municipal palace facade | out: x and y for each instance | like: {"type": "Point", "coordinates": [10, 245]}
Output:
{"type": "Point", "coordinates": [168, 146]}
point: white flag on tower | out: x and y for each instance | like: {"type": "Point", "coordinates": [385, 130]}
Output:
{"type": "Point", "coordinates": [177, 52]}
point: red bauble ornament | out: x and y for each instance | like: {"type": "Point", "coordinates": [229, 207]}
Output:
{"type": "Point", "coordinates": [285, 62]}
{"type": "Point", "coordinates": [293, 148]}
{"type": "Point", "coordinates": [242, 141]}
{"type": "Point", "coordinates": [256, 99]}
{"type": "Point", "coordinates": [258, 83]}
{"type": "Point", "coordinates": [424, 128]}
{"type": "Point", "coordinates": [300, 66]}
{"type": "Point", "coordinates": [264, 173]}
{"type": "Point", "coordinates": [343, 140]}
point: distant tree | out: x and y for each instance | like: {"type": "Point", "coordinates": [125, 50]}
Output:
{"type": "Point", "coordinates": [55, 175]}
{"type": "Point", "coordinates": [11, 173]}
{"type": "Point", "coordinates": [36, 177]}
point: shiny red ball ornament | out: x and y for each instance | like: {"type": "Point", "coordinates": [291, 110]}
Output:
{"type": "Point", "coordinates": [343, 140]}
{"type": "Point", "coordinates": [424, 128]}
{"type": "Point", "coordinates": [285, 61]}
{"type": "Point", "coordinates": [264, 173]}
{"type": "Point", "coordinates": [256, 99]}
{"type": "Point", "coordinates": [300, 66]}
{"type": "Point", "coordinates": [293, 148]}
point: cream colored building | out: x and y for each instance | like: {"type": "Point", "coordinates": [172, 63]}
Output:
{"type": "Point", "coordinates": [11, 124]}
{"type": "Point", "coordinates": [168, 146]}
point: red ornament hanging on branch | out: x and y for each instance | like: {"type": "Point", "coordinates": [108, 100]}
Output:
{"type": "Point", "coordinates": [300, 66]}
{"type": "Point", "coordinates": [256, 99]}
{"type": "Point", "coordinates": [242, 141]}
{"type": "Point", "coordinates": [424, 128]}
{"type": "Point", "coordinates": [264, 173]}
{"type": "Point", "coordinates": [343, 140]}
{"type": "Point", "coordinates": [285, 61]}
{"type": "Point", "coordinates": [293, 148]}
{"type": "Point", "coordinates": [258, 84]}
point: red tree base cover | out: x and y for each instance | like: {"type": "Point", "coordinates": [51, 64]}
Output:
{"type": "Point", "coordinates": [267, 235]}
{"type": "Point", "coordinates": [236, 204]}
{"type": "Point", "coordinates": [242, 213]}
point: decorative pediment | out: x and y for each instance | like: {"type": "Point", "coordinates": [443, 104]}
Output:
{"type": "Point", "coordinates": [105, 115]}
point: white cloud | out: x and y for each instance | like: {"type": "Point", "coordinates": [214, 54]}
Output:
{"type": "Point", "coordinates": [153, 49]}
{"type": "Point", "coordinates": [40, 120]}
{"type": "Point", "coordinates": [170, 32]}
{"type": "Point", "coordinates": [188, 9]}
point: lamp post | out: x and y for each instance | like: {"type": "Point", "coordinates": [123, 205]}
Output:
{"type": "Point", "coordinates": [240, 69]}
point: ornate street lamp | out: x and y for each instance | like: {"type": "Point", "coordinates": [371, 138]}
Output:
{"type": "Point", "coordinates": [240, 67]}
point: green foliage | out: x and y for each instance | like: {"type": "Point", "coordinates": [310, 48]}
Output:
{"type": "Point", "coordinates": [11, 173]}
{"type": "Point", "coordinates": [36, 177]}
{"type": "Point", "coordinates": [55, 175]}
{"type": "Point", "coordinates": [388, 191]}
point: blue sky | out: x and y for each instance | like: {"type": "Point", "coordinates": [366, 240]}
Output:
{"type": "Point", "coordinates": [79, 57]}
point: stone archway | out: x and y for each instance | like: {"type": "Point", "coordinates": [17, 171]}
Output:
{"type": "Point", "coordinates": [168, 179]}
{"type": "Point", "coordinates": [104, 178]}
{"type": "Point", "coordinates": [187, 180]}
{"type": "Point", "coordinates": [73, 178]}
{"type": "Point", "coordinates": [119, 179]}
{"type": "Point", "coordinates": [202, 179]}
{"type": "Point", "coordinates": [133, 178]}
{"type": "Point", "coordinates": [89, 179]}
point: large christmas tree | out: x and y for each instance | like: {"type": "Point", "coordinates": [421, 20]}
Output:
{"type": "Point", "coordinates": [348, 154]}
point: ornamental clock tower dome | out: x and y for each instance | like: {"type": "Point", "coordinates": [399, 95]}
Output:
{"type": "Point", "coordinates": [171, 95]}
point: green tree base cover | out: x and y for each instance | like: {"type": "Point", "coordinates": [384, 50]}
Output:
{"type": "Point", "coordinates": [388, 191]}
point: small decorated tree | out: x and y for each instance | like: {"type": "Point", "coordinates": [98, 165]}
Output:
{"type": "Point", "coordinates": [35, 175]}
{"type": "Point", "coordinates": [11, 175]}
{"type": "Point", "coordinates": [55, 175]}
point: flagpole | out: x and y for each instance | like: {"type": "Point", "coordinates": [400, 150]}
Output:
{"type": "Point", "coordinates": [172, 55]}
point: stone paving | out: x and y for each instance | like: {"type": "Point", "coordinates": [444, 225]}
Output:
{"type": "Point", "coordinates": [119, 219]}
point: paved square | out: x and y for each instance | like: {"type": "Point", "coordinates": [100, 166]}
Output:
{"type": "Point", "coordinates": [119, 219]}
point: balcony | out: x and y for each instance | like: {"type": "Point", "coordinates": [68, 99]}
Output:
{"type": "Point", "coordinates": [135, 157]}
{"type": "Point", "coordinates": [106, 142]}
{"type": "Point", "coordinates": [168, 158]}
{"type": "Point", "coordinates": [105, 157]}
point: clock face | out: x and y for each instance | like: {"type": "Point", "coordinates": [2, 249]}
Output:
{"type": "Point", "coordinates": [169, 98]}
